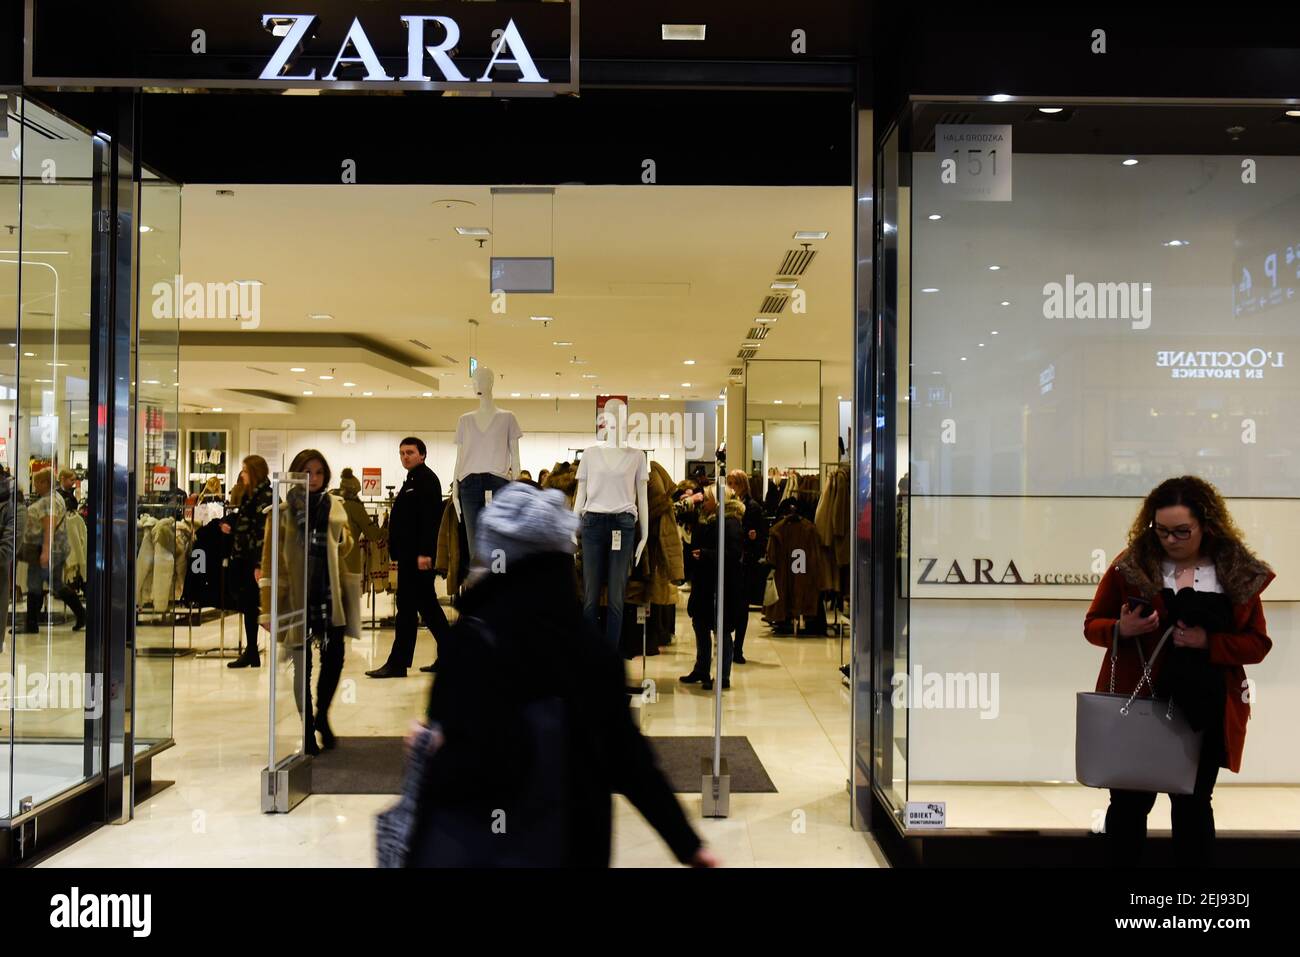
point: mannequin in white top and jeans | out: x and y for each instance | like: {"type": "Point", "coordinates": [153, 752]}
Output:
{"type": "Point", "coordinates": [614, 505]}
{"type": "Point", "coordinates": [487, 454]}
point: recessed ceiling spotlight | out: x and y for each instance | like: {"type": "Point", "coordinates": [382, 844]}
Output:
{"type": "Point", "coordinates": [930, 289]}
{"type": "Point", "coordinates": [686, 385]}
{"type": "Point", "coordinates": [1176, 242]}
{"type": "Point", "coordinates": [589, 375]}
{"type": "Point", "coordinates": [778, 401]}
{"type": "Point", "coordinates": [663, 395]}
{"type": "Point", "coordinates": [146, 229]}
{"type": "Point", "coordinates": [785, 284]}
{"type": "Point", "coordinates": [993, 333]}
{"type": "Point", "coordinates": [56, 365]}
{"type": "Point", "coordinates": [1005, 302]}
{"type": "Point", "coordinates": [475, 231]}
{"type": "Point", "coordinates": [963, 358]}
{"type": "Point", "coordinates": [546, 395]}
{"type": "Point", "coordinates": [995, 268]}
{"type": "Point", "coordinates": [427, 395]}
{"type": "Point", "coordinates": [805, 234]}
{"type": "Point", "coordinates": [561, 342]}
{"type": "Point", "coordinates": [1130, 162]}
{"type": "Point", "coordinates": [152, 382]}
{"type": "Point", "coordinates": [306, 392]}
{"type": "Point", "coordinates": [766, 320]}
{"type": "Point", "coordinates": [1000, 97]}
{"type": "Point", "coordinates": [216, 408]}
{"type": "Point", "coordinates": [1050, 109]}
{"type": "Point", "coordinates": [514, 395]}
{"type": "Point", "coordinates": [367, 393]}
{"type": "Point", "coordinates": [682, 31]}
{"type": "Point", "coordinates": [688, 362]}
{"type": "Point", "coordinates": [30, 355]}
{"type": "Point", "coordinates": [1295, 113]}
{"type": "Point", "coordinates": [574, 395]}
{"type": "Point", "coordinates": [934, 216]}
{"type": "Point", "coordinates": [320, 315]}
{"type": "Point", "coordinates": [542, 318]}
{"type": "Point", "coordinates": [981, 345]}
{"type": "Point", "coordinates": [348, 385]}
{"type": "Point", "coordinates": [327, 378]}
{"type": "Point", "coordinates": [297, 369]}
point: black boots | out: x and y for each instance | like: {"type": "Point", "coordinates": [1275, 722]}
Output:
{"type": "Point", "coordinates": [249, 658]}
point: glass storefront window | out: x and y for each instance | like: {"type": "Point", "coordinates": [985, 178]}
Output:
{"type": "Point", "coordinates": [1114, 306]}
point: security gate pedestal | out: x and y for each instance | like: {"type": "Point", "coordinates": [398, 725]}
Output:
{"type": "Point", "coordinates": [715, 793]}
{"type": "Point", "coordinates": [287, 786]}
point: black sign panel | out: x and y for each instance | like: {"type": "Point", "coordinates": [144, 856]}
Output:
{"type": "Point", "coordinates": [508, 46]}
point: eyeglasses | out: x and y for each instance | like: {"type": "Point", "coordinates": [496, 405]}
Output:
{"type": "Point", "coordinates": [1182, 532]}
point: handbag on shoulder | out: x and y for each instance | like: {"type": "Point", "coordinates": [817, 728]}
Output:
{"type": "Point", "coordinates": [1134, 744]}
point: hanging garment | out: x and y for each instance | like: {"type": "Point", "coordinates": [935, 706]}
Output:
{"type": "Point", "coordinates": [832, 515]}
{"type": "Point", "coordinates": [451, 558]}
{"type": "Point", "coordinates": [144, 561]}
{"type": "Point", "coordinates": [661, 562]}
{"type": "Point", "coordinates": [205, 584]}
{"type": "Point", "coordinates": [799, 568]}
{"type": "Point", "coordinates": [164, 564]}
{"type": "Point", "coordinates": [74, 566]}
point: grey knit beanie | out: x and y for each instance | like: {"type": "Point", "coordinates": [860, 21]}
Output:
{"type": "Point", "coordinates": [522, 520]}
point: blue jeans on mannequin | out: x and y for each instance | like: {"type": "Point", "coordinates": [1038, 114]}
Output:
{"type": "Point", "coordinates": [472, 490]}
{"type": "Point", "coordinates": [603, 565]}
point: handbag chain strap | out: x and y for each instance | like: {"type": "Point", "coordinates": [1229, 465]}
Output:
{"type": "Point", "coordinates": [1147, 667]}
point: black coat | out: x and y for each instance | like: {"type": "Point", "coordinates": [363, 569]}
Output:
{"type": "Point", "coordinates": [756, 522]}
{"type": "Point", "coordinates": [538, 734]}
{"type": "Point", "coordinates": [703, 571]}
{"type": "Point", "coordinates": [417, 512]}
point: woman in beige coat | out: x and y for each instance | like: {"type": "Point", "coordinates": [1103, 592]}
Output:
{"type": "Point", "coordinates": [314, 539]}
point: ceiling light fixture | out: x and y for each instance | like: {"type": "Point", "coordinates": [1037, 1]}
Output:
{"type": "Point", "coordinates": [778, 401]}
{"type": "Point", "coordinates": [663, 395]}
{"type": "Point", "coordinates": [930, 289]}
{"type": "Point", "coordinates": [575, 395]}
{"type": "Point", "coordinates": [993, 333]}
{"type": "Point", "coordinates": [806, 234]}
{"type": "Point", "coordinates": [686, 385]}
{"type": "Point", "coordinates": [1176, 242]}
{"type": "Point", "coordinates": [994, 268]}
{"type": "Point", "coordinates": [1295, 113]}
{"type": "Point", "coordinates": [934, 216]}
{"type": "Point", "coordinates": [348, 385]}
{"type": "Point", "coordinates": [1130, 162]}
{"type": "Point", "coordinates": [216, 408]}
{"type": "Point", "coordinates": [146, 229]}
{"type": "Point", "coordinates": [688, 362]}
{"type": "Point", "coordinates": [1006, 302]}
{"type": "Point", "coordinates": [30, 355]}
{"type": "Point", "coordinates": [514, 395]}
{"type": "Point", "coordinates": [367, 393]}
{"type": "Point", "coordinates": [589, 375]}
{"type": "Point", "coordinates": [766, 320]}
{"type": "Point", "coordinates": [1050, 109]}
{"type": "Point", "coordinates": [1000, 97]}
{"type": "Point", "coordinates": [327, 378]}
{"type": "Point", "coordinates": [297, 369]}
{"type": "Point", "coordinates": [561, 342]}
{"type": "Point", "coordinates": [474, 231]}
{"type": "Point", "coordinates": [248, 282]}
{"type": "Point", "coordinates": [542, 318]}
{"type": "Point", "coordinates": [785, 284]}
{"type": "Point", "coordinates": [307, 392]}
{"type": "Point", "coordinates": [546, 395]}
{"type": "Point", "coordinates": [320, 315]}
{"type": "Point", "coordinates": [682, 31]}
{"type": "Point", "coordinates": [427, 395]}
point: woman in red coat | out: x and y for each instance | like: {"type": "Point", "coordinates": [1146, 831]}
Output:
{"type": "Point", "coordinates": [1186, 557]}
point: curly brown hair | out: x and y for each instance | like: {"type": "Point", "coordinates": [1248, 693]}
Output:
{"type": "Point", "coordinates": [1219, 533]}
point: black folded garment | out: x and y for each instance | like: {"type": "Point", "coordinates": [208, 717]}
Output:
{"type": "Point", "coordinates": [1188, 676]}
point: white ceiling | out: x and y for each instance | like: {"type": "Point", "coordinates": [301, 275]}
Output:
{"type": "Point", "coordinates": [645, 279]}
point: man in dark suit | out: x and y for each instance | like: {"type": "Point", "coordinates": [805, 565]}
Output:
{"type": "Point", "coordinates": [412, 542]}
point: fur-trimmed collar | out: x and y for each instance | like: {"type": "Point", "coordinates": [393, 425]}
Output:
{"type": "Point", "coordinates": [1242, 575]}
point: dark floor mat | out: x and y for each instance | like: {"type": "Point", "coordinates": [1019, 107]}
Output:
{"type": "Point", "coordinates": [679, 759]}
{"type": "Point", "coordinates": [374, 765]}
{"type": "Point", "coordinates": [359, 766]}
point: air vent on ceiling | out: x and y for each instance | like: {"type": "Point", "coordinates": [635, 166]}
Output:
{"type": "Point", "coordinates": [796, 263]}
{"type": "Point", "coordinates": [773, 304]}
{"type": "Point", "coordinates": [452, 359]}
{"type": "Point", "coordinates": [758, 332]}
{"type": "Point", "coordinates": [417, 342]}
{"type": "Point", "coordinates": [950, 118]}
{"type": "Point", "coordinates": [737, 372]}
{"type": "Point", "coordinates": [747, 353]}
{"type": "Point", "coordinates": [264, 371]}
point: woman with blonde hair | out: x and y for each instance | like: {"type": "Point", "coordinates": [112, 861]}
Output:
{"type": "Point", "coordinates": [1186, 574]}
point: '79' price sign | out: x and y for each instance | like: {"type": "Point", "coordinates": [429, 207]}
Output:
{"type": "Point", "coordinates": [370, 481]}
{"type": "Point", "coordinates": [974, 161]}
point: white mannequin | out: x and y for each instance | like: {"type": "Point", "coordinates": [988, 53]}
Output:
{"type": "Point", "coordinates": [482, 417]}
{"type": "Point", "coordinates": [612, 434]}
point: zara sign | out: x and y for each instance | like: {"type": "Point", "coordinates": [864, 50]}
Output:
{"type": "Point", "coordinates": [295, 28]}
{"type": "Point", "coordinates": [515, 47]}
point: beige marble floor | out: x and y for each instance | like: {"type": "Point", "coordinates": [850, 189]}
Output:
{"type": "Point", "coordinates": [789, 700]}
